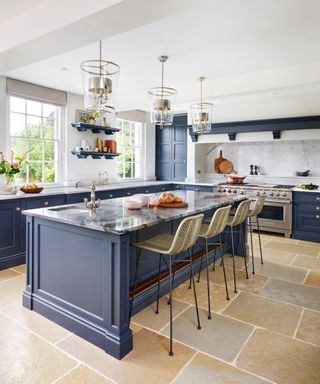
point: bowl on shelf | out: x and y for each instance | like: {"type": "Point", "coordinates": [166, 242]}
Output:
{"type": "Point", "coordinates": [305, 173]}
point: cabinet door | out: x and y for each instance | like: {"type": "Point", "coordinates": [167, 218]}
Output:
{"type": "Point", "coordinates": [10, 228]}
{"type": "Point", "coordinates": [171, 150]}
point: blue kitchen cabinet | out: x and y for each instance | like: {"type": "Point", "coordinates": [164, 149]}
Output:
{"type": "Point", "coordinates": [198, 188]}
{"type": "Point", "coordinates": [306, 216]}
{"type": "Point", "coordinates": [11, 234]}
{"type": "Point", "coordinates": [171, 150]}
{"type": "Point", "coordinates": [44, 201]}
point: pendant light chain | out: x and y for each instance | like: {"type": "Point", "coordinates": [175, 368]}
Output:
{"type": "Point", "coordinates": [100, 56]}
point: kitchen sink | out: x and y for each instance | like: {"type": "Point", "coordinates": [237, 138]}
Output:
{"type": "Point", "coordinates": [69, 209]}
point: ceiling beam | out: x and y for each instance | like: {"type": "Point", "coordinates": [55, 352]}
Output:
{"type": "Point", "coordinates": [116, 19]}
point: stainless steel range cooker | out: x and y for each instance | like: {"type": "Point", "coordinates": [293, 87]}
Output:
{"type": "Point", "coordinates": [277, 211]}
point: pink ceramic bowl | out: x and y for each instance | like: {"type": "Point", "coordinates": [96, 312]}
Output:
{"type": "Point", "coordinates": [133, 204]}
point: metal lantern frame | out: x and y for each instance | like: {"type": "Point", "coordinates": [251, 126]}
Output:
{"type": "Point", "coordinates": [100, 78]}
{"type": "Point", "coordinates": [201, 114]}
{"type": "Point", "coordinates": [162, 100]}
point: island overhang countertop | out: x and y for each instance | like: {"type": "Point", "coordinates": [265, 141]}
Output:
{"type": "Point", "coordinates": [112, 216]}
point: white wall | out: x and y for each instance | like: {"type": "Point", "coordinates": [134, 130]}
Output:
{"type": "Point", "coordinates": [88, 169]}
{"type": "Point", "coordinates": [3, 116]}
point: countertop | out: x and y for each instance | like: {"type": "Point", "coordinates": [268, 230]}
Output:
{"type": "Point", "coordinates": [68, 190]}
{"type": "Point", "coordinates": [297, 189]}
{"type": "Point", "coordinates": [113, 217]}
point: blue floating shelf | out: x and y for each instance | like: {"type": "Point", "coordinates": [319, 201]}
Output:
{"type": "Point", "coordinates": [81, 127]}
{"type": "Point", "coordinates": [94, 155]}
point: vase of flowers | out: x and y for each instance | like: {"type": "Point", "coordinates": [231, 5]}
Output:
{"type": "Point", "coordinates": [9, 168]}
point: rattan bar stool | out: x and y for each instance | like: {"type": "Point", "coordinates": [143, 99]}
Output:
{"type": "Point", "coordinates": [207, 231]}
{"type": "Point", "coordinates": [254, 214]}
{"type": "Point", "coordinates": [238, 218]}
{"type": "Point", "coordinates": [171, 245]}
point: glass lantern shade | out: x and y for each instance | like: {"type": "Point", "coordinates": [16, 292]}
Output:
{"type": "Point", "coordinates": [161, 103]}
{"type": "Point", "coordinates": [201, 117]}
{"type": "Point", "coordinates": [100, 79]}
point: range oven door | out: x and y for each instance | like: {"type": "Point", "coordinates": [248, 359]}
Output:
{"type": "Point", "coordinates": [276, 215]}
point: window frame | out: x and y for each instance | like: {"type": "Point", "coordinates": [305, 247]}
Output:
{"type": "Point", "coordinates": [138, 169]}
{"type": "Point", "coordinates": [57, 141]}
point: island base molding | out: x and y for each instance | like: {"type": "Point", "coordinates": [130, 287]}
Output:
{"type": "Point", "coordinates": [115, 346]}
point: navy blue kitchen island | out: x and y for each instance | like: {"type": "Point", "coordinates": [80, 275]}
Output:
{"type": "Point", "coordinates": [80, 265]}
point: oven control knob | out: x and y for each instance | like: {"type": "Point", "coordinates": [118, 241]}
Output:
{"type": "Point", "coordinates": [284, 194]}
{"type": "Point", "coordinates": [277, 194]}
{"type": "Point", "coordinates": [257, 193]}
{"type": "Point", "coordinates": [271, 194]}
{"type": "Point", "coordinates": [224, 190]}
{"type": "Point", "coordinates": [263, 194]}
{"type": "Point", "coordinates": [218, 190]}
{"type": "Point", "coordinates": [229, 191]}
{"type": "Point", "coordinates": [241, 192]}
{"type": "Point", "coordinates": [235, 191]}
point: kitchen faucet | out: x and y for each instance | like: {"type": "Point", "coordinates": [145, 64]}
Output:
{"type": "Point", "coordinates": [93, 204]}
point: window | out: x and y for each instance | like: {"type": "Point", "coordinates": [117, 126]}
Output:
{"type": "Point", "coordinates": [129, 145]}
{"type": "Point", "coordinates": [35, 127]}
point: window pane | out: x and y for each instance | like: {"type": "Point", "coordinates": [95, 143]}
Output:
{"type": "Point", "coordinates": [49, 150]}
{"type": "Point", "coordinates": [49, 172]}
{"type": "Point", "coordinates": [128, 155]}
{"type": "Point", "coordinates": [17, 124]}
{"type": "Point", "coordinates": [128, 170]}
{"type": "Point", "coordinates": [34, 126]}
{"type": "Point", "coordinates": [33, 108]}
{"type": "Point", "coordinates": [35, 172]}
{"type": "Point", "coordinates": [17, 104]}
{"type": "Point", "coordinates": [19, 146]}
{"type": "Point", "coordinates": [49, 111]}
{"type": "Point", "coordinates": [35, 150]}
{"type": "Point", "coordinates": [49, 128]}
{"type": "Point", "coordinates": [21, 177]}
{"type": "Point", "coordinates": [135, 134]}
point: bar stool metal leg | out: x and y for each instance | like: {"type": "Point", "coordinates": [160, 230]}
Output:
{"type": "Point", "coordinates": [245, 252]}
{"type": "Point", "coordinates": [261, 259]}
{"type": "Point", "coordinates": [224, 270]}
{"type": "Point", "coordinates": [252, 256]}
{"type": "Point", "coordinates": [170, 283]}
{"type": "Point", "coordinates": [158, 289]}
{"type": "Point", "coordinates": [233, 263]}
{"type": "Point", "coordinates": [134, 282]}
{"type": "Point", "coordinates": [208, 283]}
{"type": "Point", "coordinates": [194, 289]}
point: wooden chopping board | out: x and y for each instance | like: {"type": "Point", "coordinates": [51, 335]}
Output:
{"type": "Point", "coordinates": [217, 162]}
{"type": "Point", "coordinates": [226, 167]}
{"type": "Point", "coordinates": [170, 205]}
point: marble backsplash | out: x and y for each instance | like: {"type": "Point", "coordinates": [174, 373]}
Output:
{"type": "Point", "coordinates": [274, 159]}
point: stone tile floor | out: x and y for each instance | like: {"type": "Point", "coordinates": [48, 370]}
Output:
{"type": "Point", "coordinates": [266, 333]}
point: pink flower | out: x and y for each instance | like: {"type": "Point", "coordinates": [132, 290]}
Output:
{"type": "Point", "coordinates": [15, 164]}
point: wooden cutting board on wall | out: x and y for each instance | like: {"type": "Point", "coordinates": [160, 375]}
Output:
{"type": "Point", "coordinates": [217, 162]}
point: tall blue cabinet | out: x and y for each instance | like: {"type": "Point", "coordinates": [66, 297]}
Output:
{"type": "Point", "coordinates": [171, 150]}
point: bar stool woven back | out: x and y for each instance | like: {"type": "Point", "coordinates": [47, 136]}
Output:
{"type": "Point", "coordinates": [240, 215]}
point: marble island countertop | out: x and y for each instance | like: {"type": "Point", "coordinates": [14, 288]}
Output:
{"type": "Point", "coordinates": [68, 190]}
{"type": "Point", "coordinates": [114, 217]}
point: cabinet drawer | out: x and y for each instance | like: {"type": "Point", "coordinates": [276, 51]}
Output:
{"type": "Point", "coordinates": [308, 208]}
{"type": "Point", "coordinates": [307, 197]}
{"type": "Point", "coordinates": [43, 202]}
{"type": "Point", "coordinates": [77, 198]}
{"type": "Point", "coordinates": [309, 222]}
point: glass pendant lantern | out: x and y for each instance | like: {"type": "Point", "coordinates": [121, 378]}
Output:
{"type": "Point", "coordinates": [201, 114]}
{"type": "Point", "coordinates": [99, 79]}
{"type": "Point", "coordinates": [161, 101]}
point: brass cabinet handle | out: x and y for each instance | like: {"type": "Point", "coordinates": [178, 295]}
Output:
{"type": "Point", "coordinates": [147, 191]}
{"type": "Point", "coordinates": [110, 195]}
{"type": "Point", "coordinates": [317, 217]}
{"type": "Point", "coordinates": [18, 209]}
{"type": "Point", "coordinates": [317, 208]}
{"type": "Point", "coordinates": [129, 193]}
{"type": "Point", "coordinates": [317, 198]}
{"type": "Point", "coordinates": [46, 203]}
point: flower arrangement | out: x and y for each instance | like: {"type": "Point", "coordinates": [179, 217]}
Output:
{"type": "Point", "coordinates": [9, 168]}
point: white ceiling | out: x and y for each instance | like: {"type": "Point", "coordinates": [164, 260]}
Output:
{"type": "Point", "coordinates": [10, 9]}
{"type": "Point", "coordinates": [217, 39]}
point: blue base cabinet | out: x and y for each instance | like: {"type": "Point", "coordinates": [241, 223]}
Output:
{"type": "Point", "coordinates": [13, 223]}
{"type": "Point", "coordinates": [306, 216]}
